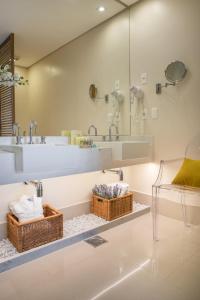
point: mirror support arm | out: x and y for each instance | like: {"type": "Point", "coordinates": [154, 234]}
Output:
{"type": "Point", "coordinates": [159, 87]}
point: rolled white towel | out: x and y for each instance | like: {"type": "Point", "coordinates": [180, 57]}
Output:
{"type": "Point", "coordinates": [124, 187]}
{"type": "Point", "coordinates": [27, 208]}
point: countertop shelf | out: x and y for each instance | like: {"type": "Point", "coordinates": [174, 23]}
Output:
{"type": "Point", "coordinates": [57, 158]}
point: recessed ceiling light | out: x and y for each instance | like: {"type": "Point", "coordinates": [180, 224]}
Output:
{"type": "Point", "coordinates": [101, 8]}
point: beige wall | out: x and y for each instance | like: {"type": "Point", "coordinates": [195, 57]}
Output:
{"type": "Point", "coordinates": [162, 30]}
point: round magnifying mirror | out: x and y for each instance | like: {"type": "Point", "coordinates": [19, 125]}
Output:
{"type": "Point", "coordinates": [176, 72]}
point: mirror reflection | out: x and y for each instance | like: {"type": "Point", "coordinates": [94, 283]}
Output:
{"type": "Point", "coordinates": [82, 84]}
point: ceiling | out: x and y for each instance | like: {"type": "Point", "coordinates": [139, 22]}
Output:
{"type": "Point", "coordinates": [42, 26]}
{"type": "Point", "coordinates": [129, 2]}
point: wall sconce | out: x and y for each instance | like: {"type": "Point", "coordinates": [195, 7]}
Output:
{"type": "Point", "coordinates": [93, 91]}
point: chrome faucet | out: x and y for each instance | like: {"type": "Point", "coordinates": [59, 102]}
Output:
{"type": "Point", "coordinates": [38, 186]}
{"type": "Point", "coordinates": [17, 133]}
{"type": "Point", "coordinates": [32, 126]}
{"type": "Point", "coordinates": [118, 172]}
{"type": "Point", "coordinates": [43, 139]}
{"type": "Point", "coordinates": [92, 127]}
{"type": "Point", "coordinates": [110, 132]}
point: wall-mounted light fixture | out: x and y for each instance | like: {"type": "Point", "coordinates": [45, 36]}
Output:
{"type": "Point", "coordinates": [101, 8]}
{"type": "Point", "coordinates": [93, 92]}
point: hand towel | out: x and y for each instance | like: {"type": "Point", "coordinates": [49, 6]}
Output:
{"type": "Point", "coordinates": [27, 208]}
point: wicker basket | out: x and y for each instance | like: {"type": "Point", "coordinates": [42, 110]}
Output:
{"type": "Point", "coordinates": [113, 208]}
{"type": "Point", "coordinates": [28, 235]}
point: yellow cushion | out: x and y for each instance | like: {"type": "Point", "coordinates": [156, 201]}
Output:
{"type": "Point", "coordinates": [189, 174]}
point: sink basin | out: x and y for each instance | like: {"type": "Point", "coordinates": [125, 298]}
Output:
{"type": "Point", "coordinates": [30, 157]}
{"type": "Point", "coordinates": [14, 148]}
{"type": "Point", "coordinates": [56, 157]}
{"type": "Point", "coordinates": [139, 150]}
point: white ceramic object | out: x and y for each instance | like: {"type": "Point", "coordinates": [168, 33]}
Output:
{"type": "Point", "coordinates": [138, 150]}
{"type": "Point", "coordinates": [24, 162]}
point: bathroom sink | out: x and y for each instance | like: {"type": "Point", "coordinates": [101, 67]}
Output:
{"type": "Point", "coordinates": [57, 158]}
{"type": "Point", "coordinates": [139, 150]}
{"type": "Point", "coordinates": [30, 157]}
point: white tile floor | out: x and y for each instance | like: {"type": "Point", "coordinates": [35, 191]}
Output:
{"type": "Point", "coordinates": [129, 267]}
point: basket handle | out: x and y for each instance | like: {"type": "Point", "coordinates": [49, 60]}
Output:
{"type": "Point", "coordinates": [100, 200]}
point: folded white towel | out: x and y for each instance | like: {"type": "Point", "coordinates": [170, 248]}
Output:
{"type": "Point", "coordinates": [124, 187]}
{"type": "Point", "coordinates": [27, 208]}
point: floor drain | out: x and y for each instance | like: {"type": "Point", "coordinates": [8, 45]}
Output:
{"type": "Point", "coordinates": [96, 241]}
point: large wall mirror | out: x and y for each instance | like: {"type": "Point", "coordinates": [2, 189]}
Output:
{"type": "Point", "coordinates": [85, 82]}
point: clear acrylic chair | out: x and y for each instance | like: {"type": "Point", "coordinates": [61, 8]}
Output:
{"type": "Point", "coordinates": [192, 151]}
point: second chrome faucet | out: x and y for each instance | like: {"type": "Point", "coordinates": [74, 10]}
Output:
{"type": "Point", "coordinates": [32, 126]}
{"type": "Point", "coordinates": [110, 135]}
{"type": "Point", "coordinates": [17, 132]}
{"type": "Point", "coordinates": [110, 132]}
{"type": "Point", "coordinates": [92, 127]}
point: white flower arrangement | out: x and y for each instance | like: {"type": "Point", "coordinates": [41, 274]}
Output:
{"type": "Point", "coordinates": [8, 79]}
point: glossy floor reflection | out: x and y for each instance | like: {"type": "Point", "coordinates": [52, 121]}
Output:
{"type": "Point", "coordinates": [129, 267]}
